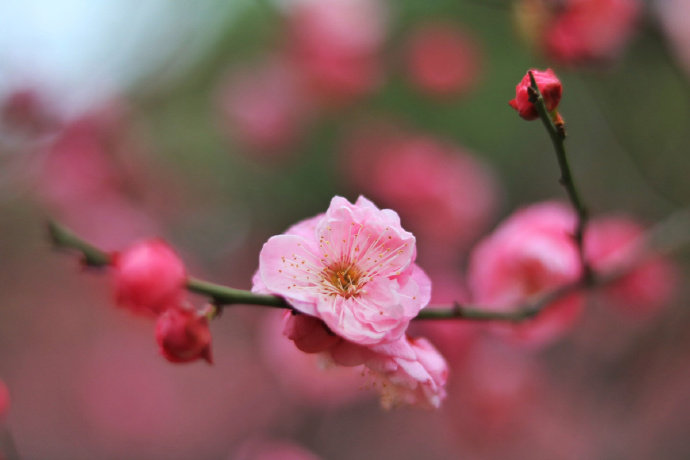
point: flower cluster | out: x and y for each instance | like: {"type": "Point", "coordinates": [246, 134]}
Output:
{"type": "Point", "coordinates": [149, 279]}
{"type": "Point", "coordinates": [350, 276]}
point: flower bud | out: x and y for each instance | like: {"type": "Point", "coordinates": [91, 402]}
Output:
{"type": "Point", "coordinates": [183, 336]}
{"type": "Point", "coordinates": [550, 87]}
{"type": "Point", "coordinates": [149, 277]}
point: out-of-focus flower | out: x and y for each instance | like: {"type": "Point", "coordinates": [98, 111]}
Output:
{"type": "Point", "coordinates": [675, 15]}
{"type": "Point", "coordinates": [264, 107]}
{"type": "Point", "coordinates": [443, 193]}
{"type": "Point", "coordinates": [336, 45]}
{"type": "Point", "coordinates": [25, 111]}
{"type": "Point", "coordinates": [272, 449]}
{"type": "Point", "coordinates": [183, 335]}
{"type": "Point", "coordinates": [530, 254]}
{"type": "Point", "coordinates": [353, 267]}
{"type": "Point", "coordinates": [578, 32]}
{"type": "Point", "coordinates": [442, 59]}
{"type": "Point", "coordinates": [550, 87]}
{"type": "Point", "coordinates": [148, 277]}
{"type": "Point", "coordinates": [4, 400]}
{"type": "Point", "coordinates": [92, 177]}
{"type": "Point", "coordinates": [305, 374]}
{"type": "Point", "coordinates": [611, 243]}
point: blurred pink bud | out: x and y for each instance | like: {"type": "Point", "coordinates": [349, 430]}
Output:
{"type": "Point", "coordinates": [442, 59]}
{"type": "Point", "coordinates": [336, 45]}
{"type": "Point", "coordinates": [264, 107]}
{"type": "Point", "coordinates": [443, 193]}
{"type": "Point", "coordinates": [183, 335]}
{"type": "Point", "coordinates": [148, 277]}
{"type": "Point", "coordinates": [528, 255]}
{"type": "Point", "coordinates": [4, 399]}
{"type": "Point", "coordinates": [611, 243]}
{"type": "Point", "coordinates": [550, 87]}
{"type": "Point", "coordinates": [590, 30]}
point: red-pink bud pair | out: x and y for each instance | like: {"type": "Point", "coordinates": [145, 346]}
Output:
{"type": "Point", "coordinates": [150, 279]}
{"type": "Point", "coordinates": [550, 87]}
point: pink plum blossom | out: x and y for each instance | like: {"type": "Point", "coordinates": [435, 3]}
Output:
{"type": "Point", "coordinates": [407, 371]}
{"type": "Point", "coordinates": [148, 277]}
{"type": "Point", "coordinates": [530, 254]}
{"type": "Point", "coordinates": [442, 59]}
{"type": "Point", "coordinates": [576, 32]}
{"type": "Point", "coordinates": [264, 107]}
{"type": "Point", "coordinates": [352, 267]}
{"type": "Point", "coordinates": [336, 45]}
{"type": "Point", "coordinates": [444, 193]}
{"type": "Point", "coordinates": [613, 243]}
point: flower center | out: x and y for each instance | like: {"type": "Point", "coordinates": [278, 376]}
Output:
{"type": "Point", "coordinates": [343, 279]}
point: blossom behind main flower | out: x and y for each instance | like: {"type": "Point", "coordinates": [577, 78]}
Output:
{"type": "Point", "coordinates": [352, 267]}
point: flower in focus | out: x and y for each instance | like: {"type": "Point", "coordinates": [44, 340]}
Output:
{"type": "Point", "coordinates": [407, 371]}
{"type": "Point", "coordinates": [611, 243]}
{"type": "Point", "coordinates": [578, 32]}
{"type": "Point", "coordinates": [183, 335]}
{"type": "Point", "coordinates": [442, 59]}
{"type": "Point", "coordinates": [148, 277]}
{"type": "Point", "coordinates": [336, 45]}
{"type": "Point", "coordinates": [530, 254]}
{"type": "Point", "coordinates": [352, 267]}
{"type": "Point", "coordinates": [443, 193]}
{"type": "Point", "coordinates": [551, 90]}
{"type": "Point", "coordinates": [264, 107]}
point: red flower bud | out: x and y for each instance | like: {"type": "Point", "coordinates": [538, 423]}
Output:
{"type": "Point", "coordinates": [549, 86]}
{"type": "Point", "coordinates": [183, 336]}
{"type": "Point", "coordinates": [149, 277]}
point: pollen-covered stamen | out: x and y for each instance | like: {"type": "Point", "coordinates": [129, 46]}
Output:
{"type": "Point", "coordinates": [343, 279]}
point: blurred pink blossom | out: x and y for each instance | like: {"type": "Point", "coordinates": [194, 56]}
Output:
{"type": "Point", "coordinates": [612, 243]}
{"type": "Point", "coordinates": [148, 277]}
{"type": "Point", "coordinates": [675, 16]}
{"type": "Point", "coordinates": [442, 192]}
{"type": "Point", "coordinates": [92, 178]}
{"type": "Point", "coordinates": [528, 255]}
{"type": "Point", "coordinates": [27, 112]}
{"type": "Point", "coordinates": [336, 45]}
{"type": "Point", "coordinates": [442, 59]}
{"type": "Point", "coordinates": [576, 32]}
{"type": "Point", "coordinates": [264, 107]}
{"type": "Point", "coordinates": [352, 267]}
